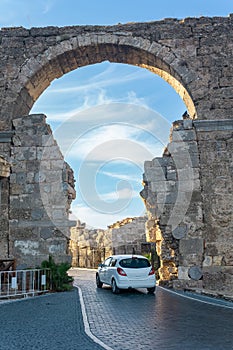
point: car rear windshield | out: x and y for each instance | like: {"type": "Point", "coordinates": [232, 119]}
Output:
{"type": "Point", "coordinates": [134, 263]}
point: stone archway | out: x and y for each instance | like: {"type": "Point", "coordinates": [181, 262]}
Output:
{"type": "Point", "coordinates": [194, 57]}
{"type": "Point", "coordinates": [181, 51]}
{"type": "Point", "coordinates": [37, 73]}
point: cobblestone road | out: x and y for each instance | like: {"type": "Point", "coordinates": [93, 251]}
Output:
{"type": "Point", "coordinates": [130, 320]}
{"type": "Point", "coordinates": [49, 322]}
{"type": "Point", "coordinates": [135, 320]}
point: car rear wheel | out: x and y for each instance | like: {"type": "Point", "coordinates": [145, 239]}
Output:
{"type": "Point", "coordinates": [114, 287]}
{"type": "Point", "coordinates": [98, 281]}
{"type": "Point", "coordinates": [151, 290]}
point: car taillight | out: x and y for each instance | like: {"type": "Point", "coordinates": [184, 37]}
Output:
{"type": "Point", "coordinates": [152, 272]}
{"type": "Point", "coordinates": [121, 271]}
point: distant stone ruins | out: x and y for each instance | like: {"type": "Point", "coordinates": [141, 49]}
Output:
{"type": "Point", "coordinates": [89, 247]}
{"type": "Point", "coordinates": [187, 192]}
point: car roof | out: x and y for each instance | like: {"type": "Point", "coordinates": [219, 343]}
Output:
{"type": "Point", "coordinates": [127, 256]}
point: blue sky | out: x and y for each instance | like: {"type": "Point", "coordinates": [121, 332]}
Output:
{"type": "Point", "coordinates": [38, 13]}
{"type": "Point", "coordinates": [108, 118]}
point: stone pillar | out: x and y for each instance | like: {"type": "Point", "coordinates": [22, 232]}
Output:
{"type": "Point", "coordinates": [215, 144]}
{"type": "Point", "coordinates": [41, 190]}
{"type": "Point", "coordinates": [189, 199]}
{"type": "Point", "coordinates": [172, 195]}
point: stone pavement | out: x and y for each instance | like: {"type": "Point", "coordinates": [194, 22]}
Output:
{"type": "Point", "coordinates": [52, 321]}
{"type": "Point", "coordinates": [137, 320]}
{"type": "Point", "coordinates": [130, 320]}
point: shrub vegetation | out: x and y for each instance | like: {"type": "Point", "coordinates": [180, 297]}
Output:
{"type": "Point", "coordinates": [60, 281]}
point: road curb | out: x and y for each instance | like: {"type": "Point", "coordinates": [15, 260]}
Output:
{"type": "Point", "coordinates": [86, 323]}
{"type": "Point", "coordinates": [201, 298]}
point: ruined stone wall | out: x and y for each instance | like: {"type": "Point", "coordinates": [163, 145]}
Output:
{"type": "Point", "coordinates": [41, 190]}
{"type": "Point", "coordinates": [89, 247]}
{"type": "Point", "coordinates": [188, 195]}
{"type": "Point", "coordinates": [193, 55]}
{"type": "Point", "coordinates": [215, 144]}
{"type": "Point", "coordinates": [128, 235]}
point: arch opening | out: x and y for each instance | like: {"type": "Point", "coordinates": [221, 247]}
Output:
{"type": "Point", "coordinates": [127, 118]}
{"type": "Point", "coordinates": [54, 65]}
{"type": "Point", "coordinates": [39, 72]}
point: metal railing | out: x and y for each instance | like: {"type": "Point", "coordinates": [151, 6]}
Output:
{"type": "Point", "coordinates": [24, 282]}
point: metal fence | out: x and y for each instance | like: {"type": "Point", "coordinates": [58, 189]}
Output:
{"type": "Point", "coordinates": [24, 282]}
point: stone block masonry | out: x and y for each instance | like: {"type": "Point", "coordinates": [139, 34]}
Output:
{"type": "Point", "coordinates": [128, 235]}
{"type": "Point", "coordinates": [5, 139]}
{"type": "Point", "coordinates": [188, 191]}
{"type": "Point", "coordinates": [89, 247]}
{"type": "Point", "coordinates": [41, 190]}
{"type": "Point", "coordinates": [193, 55]}
{"type": "Point", "coordinates": [188, 196]}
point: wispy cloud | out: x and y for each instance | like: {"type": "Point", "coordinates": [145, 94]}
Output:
{"type": "Point", "coordinates": [95, 90]}
{"type": "Point", "coordinates": [101, 220]}
{"type": "Point", "coordinates": [103, 134]}
{"type": "Point", "coordinates": [97, 106]}
{"type": "Point", "coordinates": [89, 101]}
{"type": "Point", "coordinates": [115, 142]}
{"type": "Point", "coordinates": [124, 193]}
{"type": "Point", "coordinates": [47, 6]}
{"type": "Point", "coordinates": [107, 78]}
{"type": "Point", "coordinates": [118, 176]}
{"type": "Point", "coordinates": [93, 218]}
{"type": "Point", "coordinates": [83, 133]}
{"type": "Point", "coordinates": [23, 13]}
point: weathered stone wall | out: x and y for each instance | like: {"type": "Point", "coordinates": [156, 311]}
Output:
{"type": "Point", "coordinates": [188, 195]}
{"type": "Point", "coordinates": [89, 247]}
{"type": "Point", "coordinates": [128, 235]}
{"type": "Point", "coordinates": [4, 195]}
{"type": "Point", "coordinates": [215, 144]}
{"type": "Point", "coordinates": [41, 190]}
{"type": "Point", "coordinates": [194, 55]}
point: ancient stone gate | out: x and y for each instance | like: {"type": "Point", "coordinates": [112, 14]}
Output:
{"type": "Point", "coordinates": [188, 191]}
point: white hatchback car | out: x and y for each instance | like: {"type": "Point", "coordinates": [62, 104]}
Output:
{"type": "Point", "coordinates": [125, 272]}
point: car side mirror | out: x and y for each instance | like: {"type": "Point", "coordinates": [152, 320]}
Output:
{"type": "Point", "coordinates": [101, 265]}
